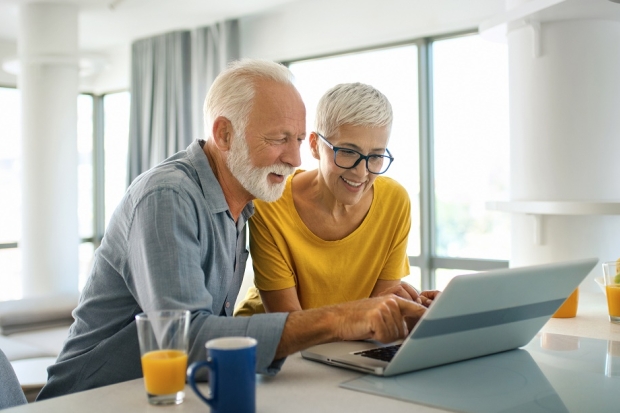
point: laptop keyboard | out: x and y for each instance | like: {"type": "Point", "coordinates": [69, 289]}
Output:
{"type": "Point", "coordinates": [381, 353]}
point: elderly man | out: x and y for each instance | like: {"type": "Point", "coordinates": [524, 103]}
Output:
{"type": "Point", "coordinates": [177, 240]}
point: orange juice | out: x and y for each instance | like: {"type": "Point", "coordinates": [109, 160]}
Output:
{"type": "Point", "coordinates": [613, 299]}
{"type": "Point", "coordinates": [569, 308]}
{"type": "Point", "coordinates": [164, 371]}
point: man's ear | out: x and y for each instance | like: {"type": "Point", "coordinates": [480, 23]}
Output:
{"type": "Point", "coordinates": [314, 145]}
{"type": "Point", "coordinates": [222, 133]}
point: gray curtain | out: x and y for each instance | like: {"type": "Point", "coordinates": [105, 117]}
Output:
{"type": "Point", "coordinates": [213, 48]}
{"type": "Point", "coordinates": [170, 76]}
{"type": "Point", "coordinates": [160, 116]}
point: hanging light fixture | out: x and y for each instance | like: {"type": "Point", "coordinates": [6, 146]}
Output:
{"type": "Point", "coordinates": [89, 65]}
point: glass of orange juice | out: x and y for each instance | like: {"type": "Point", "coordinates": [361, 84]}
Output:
{"type": "Point", "coordinates": [163, 337]}
{"type": "Point", "coordinates": [612, 289]}
{"type": "Point", "coordinates": [569, 308]}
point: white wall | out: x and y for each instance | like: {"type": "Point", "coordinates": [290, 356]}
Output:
{"type": "Point", "coordinates": [564, 106]}
{"type": "Point", "coordinates": [315, 27]}
{"type": "Point", "coordinates": [115, 73]}
{"type": "Point", "coordinates": [8, 50]}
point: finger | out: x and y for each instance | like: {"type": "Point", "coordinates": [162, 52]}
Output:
{"type": "Point", "coordinates": [426, 302]}
{"type": "Point", "coordinates": [410, 308]}
{"type": "Point", "coordinates": [395, 319]}
{"type": "Point", "coordinates": [431, 294]}
{"type": "Point", "coordinates": [388, 329]}
{"type": "Point", "coordinates": [379, 323]}
{"type": "Point", "coordinates": [410, 324]}
{"type": "Point", "coordinates": [389, 326]}
{"type": "Point", "coordinates": [411, 291]}
{"type": "Point", "coordinates": [399, 320]}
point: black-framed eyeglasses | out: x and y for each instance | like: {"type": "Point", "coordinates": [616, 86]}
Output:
{"type": "Point", "coordinates": [346, 158]}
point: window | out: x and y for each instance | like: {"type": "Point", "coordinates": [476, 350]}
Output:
{"type": "Point", "coordinates": [116, 144]}
{"type": "Point", "coordinates": [465, 135]}
{"type": "Point", "coordinates": [10, 194]}
{"type": "Point", "coordinates": [86, 213]}
{"type": "Point", "coordinates": [85, 165]}
{"type": "Point", "coordinates": [449, 139]}
{"type": "Point", "coordinates": [471, 154]}
{"type": "Point", "coordinates": [470, 125]}
{"type": "Point", "coordinates": [10, 155]}
{"type": "Point", "coordinates": [88, 179]}
{"type": "Point", "coordinates": [393, 71]}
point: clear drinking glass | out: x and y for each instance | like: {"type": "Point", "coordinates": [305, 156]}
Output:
{"type": "Point", "coordinates": [163, 337]}
{"type": "Point", "coordinates": [612, 289]}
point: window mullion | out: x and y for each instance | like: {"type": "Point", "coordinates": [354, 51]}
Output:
{"type": "Point", "coordinates": [426, 164]}
{"type": "Point", "coordinates": [98, 171]}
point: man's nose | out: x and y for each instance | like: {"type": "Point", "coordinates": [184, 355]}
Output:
{"type": "Point", "coordinates": [291, 154]}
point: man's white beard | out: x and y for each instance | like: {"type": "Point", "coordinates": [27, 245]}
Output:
{"type": "Point", "coordinates": [255, 179]}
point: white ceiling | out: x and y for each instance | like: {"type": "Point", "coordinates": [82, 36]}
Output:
{"type": "Point", "coordinates": [107, 23]}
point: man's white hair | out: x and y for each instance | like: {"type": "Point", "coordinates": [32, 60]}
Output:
{"type": "Point", "coordinates": [354, 104]}
{"type": "Point", "coordinates": [232, 93]}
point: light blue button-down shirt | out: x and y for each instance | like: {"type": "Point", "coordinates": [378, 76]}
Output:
{"type": "Point", "coordinates": [171, 244]}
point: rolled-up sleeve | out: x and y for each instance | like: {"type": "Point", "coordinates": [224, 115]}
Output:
{"type": "Point", "coordinates": [265, 328]}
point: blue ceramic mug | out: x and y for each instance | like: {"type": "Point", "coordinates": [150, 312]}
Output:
{"type": "Point", "coordinates": [232, 375]}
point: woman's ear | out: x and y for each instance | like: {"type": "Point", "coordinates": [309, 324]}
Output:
{"type": "Point", "coordinates": [314, 145]}
{"type": "Point", "coordinates": [222, 133]}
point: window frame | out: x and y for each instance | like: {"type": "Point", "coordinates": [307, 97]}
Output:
{"type": "Point", "coordinates": [427, 261]}
{"type": "Point", "coordinates": [98, 172]}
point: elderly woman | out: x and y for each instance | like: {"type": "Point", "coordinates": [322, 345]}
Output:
{"type": "Point", "coordinates": [339, 232]}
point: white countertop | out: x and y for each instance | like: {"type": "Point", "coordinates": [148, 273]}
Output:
{"type": "Point", "coordinates": [306, 386]}
{"type": "Point", "coordinates": [592, 320]}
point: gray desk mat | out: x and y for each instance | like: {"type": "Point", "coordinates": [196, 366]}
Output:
{"type": "Point", "coordinates": [553, 373]}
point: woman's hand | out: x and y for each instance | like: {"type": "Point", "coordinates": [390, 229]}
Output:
{"type": "Point", "coordinates": [427, 297]}
{"type": "Point", "coordinates": [408, 292]}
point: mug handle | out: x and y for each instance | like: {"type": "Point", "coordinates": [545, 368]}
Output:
{"type": "Point", "coordinates": [210, 364]}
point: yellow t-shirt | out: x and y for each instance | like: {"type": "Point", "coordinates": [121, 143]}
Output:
{"type": "Point", "coordinates": [285, 253]}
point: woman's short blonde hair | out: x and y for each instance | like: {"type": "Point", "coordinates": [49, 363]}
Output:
{"type": "Point", "coordinates": [355, 104]}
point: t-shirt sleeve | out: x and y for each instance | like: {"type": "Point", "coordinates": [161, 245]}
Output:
{"type": "Point", "coordinates": [272, 270]}
{"type": "Point", "coordinates": [398, 217]}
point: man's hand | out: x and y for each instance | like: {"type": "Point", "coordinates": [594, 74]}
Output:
{"type": "Point", "coordinates": [384, 318]}
{"type": "Point", "coordinates": [380, 318]}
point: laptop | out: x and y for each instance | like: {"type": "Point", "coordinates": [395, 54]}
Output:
{"type": "Point", "coordinates": [476, 315]}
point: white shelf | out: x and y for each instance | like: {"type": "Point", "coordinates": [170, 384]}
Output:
{"type": "Point", "coordinates": [496, 27]}
{"type": "Point", "coordinates": [538, 209]}
{"type": "Point", "coordinates": [556, 208]}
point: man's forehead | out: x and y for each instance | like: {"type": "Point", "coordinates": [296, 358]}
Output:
{"type": "Point", "coordinates": [270, 89]}
{"type": "Point", "coordinates": [280, 97]}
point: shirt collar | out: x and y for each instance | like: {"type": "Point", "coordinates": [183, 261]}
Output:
{"type": "Point", "coordinates": [211, 189]}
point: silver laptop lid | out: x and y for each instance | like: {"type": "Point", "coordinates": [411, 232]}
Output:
{"type": "Point", "coordinates": [484, 313]}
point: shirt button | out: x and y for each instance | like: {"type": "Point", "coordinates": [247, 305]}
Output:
{"type": "Point", "coordinates": [228, 304]}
